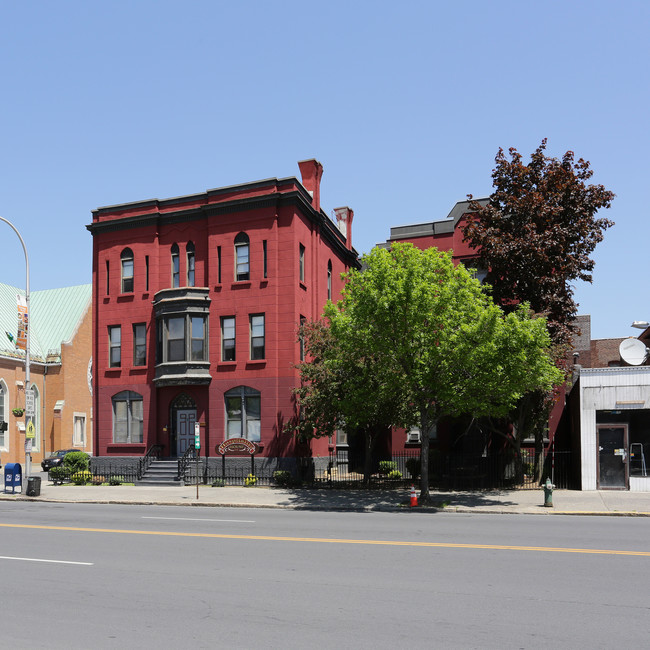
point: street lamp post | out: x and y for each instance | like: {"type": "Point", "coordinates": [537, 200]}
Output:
{"type": "Point", "coordinates": [28, 417]}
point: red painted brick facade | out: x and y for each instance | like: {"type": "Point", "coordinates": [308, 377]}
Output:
{"type": "Point", "coordinates": [284, 224]}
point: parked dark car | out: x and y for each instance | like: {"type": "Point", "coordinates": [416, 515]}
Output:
{"type": "Point", "coordinates": [55, 459]}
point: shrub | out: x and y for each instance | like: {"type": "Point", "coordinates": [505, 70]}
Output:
{"type": "Point", "coordinates": [116, 480]}
{"type": "Point", "coordinates": [283, 478]}
{"type": "Point", "coordinates": [395, 474]}
{"type": "Point", "coordinates": [250, 480]}
{"type": "Point", "coordinates": [219, 482]}
{"type": "Point", "coordinates": [98, 480]}
{"type": "Point", "coordinates": [81, 478]}
{"type": "Point", "coordinates": [413, 467]}
{"type": "Point", "coordinates": [387, 466]}
{"type": "Point", "coordinates": [76, 461]}
{"type": "Point", "coordinates": [59, 474]}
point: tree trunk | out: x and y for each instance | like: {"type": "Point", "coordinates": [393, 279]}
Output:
{"type": "Point", "coordinates": [425, 425]}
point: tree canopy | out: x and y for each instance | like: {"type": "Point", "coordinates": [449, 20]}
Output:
{"type": "Point", "coordinates": [537, 232]}
{"type": "Point", "coordinates": [414, 339]}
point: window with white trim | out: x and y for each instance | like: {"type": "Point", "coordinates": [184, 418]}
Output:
{"type": "Point", "coordinates": [329, 280]}
{"type": "Point", "coordinates": [139, 344]}
{"type": "Point", "coordinates": [127, 417]}
{"type": "Point", "coordinates": [36, 420]}
{"type": "Point", "coordinates": [243, 413]}
{"type": "Point", "coordinates": [126, 259]}
{"type": "Point", "coordinates": [190, 264]}
{"type": "Point", "coordinates": [228, 338]}
{"type": "Point", "coordinates": [4, 415]}
{"type": "Point", "coordinates": [176, 267]}
{"type": "Point", "coordinates": [257, 336]}
{"type": "Point", "coordinates": [242, 257]}
{"type": "Point", "coordinates": [115, 346]}
{"type": "Point", "coordinates": [301, 263]}
{"type": "Point", "coordinates": [79, 429]}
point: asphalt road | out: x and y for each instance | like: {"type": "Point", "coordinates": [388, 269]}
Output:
{"type": "Point", "coordinates": [102, 576]}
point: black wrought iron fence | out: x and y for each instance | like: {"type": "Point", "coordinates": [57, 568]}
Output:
{"type": "Point", "coordinates": [234, 476]}
{"type": "Point", "coordinates": [452, 471]}
{"type": "Point", "coordinates": [106, 474]}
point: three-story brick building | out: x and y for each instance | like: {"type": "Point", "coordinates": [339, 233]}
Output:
{"type": "Point", "coordinates": [196, 304]}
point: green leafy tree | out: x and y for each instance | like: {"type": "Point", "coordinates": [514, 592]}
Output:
{"type": "Point", "coordinates": [341, 389]}
{"type": "Point", "coordinates": [429, 343]}
{"type": "Point", "coordinates": [535, 237]}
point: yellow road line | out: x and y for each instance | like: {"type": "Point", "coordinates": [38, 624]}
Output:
{"type": "Point", "coordinates": [325, 540]}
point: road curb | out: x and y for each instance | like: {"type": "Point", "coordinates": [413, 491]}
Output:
{"type": "Point", "coordinates": [341, 508]}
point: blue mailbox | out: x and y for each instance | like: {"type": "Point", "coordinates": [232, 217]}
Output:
{"type": "Point", "coordinates": [13, 477]}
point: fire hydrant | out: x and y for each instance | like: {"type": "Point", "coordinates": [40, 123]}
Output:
{"type": "Point", "coordinates": [548, 493]}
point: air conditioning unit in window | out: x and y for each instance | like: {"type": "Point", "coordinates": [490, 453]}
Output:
{"type": "Point", "coordinates": [413, 435]}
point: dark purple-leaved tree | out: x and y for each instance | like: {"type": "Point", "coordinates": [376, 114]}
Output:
{"type": "Point", "coordinates": [535, 237]}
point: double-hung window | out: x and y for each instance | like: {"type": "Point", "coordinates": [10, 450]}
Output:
{"type": "Point", "coordinates": [197, 338]}
{"type": "Point", "coordinates": [227, 338]}
{"type": "Point", "coordinates": [301, 338]}
{"type": "Point", "coordinates": [4, 414]}
{"type": "Point", "coordinates": [115, 346]}
{"type": "Point", "coordinates": [242, 255]}
{"type": "Point", "coordinates": [176, 267]}
{"type": "Point", "coordinates": [126, 258]}
{"type": "Point", "coordinates": [243, 413]}
{"type": "Point", "coordinates": [329, 280]}
{"type": "Point", "coordinates": [139, 344]}
{"type": "Point", "coordinates": [176, 339]}
{"type": "Point", "coordinates": [257, 336]}
{"type": "Point", "coordinates": [190, 264]}
{"type": "Point", "coordinates": [301, 263]}
{"type": "Point", "coordinates": [127, 417]}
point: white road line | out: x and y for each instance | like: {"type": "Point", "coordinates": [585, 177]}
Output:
{"type": "Point", "coordinates": [36, 559]}
{"type": "Point", "coordinates": [232, 521]}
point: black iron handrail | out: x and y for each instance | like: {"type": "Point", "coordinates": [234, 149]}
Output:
{"type": "Point", "coordinates": [143, 464]}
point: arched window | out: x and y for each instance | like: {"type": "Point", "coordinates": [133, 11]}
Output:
{"type": "Point", "coordinates": [126, 258]}
{"type": "Point", "coordinates": [127, 417]}
{"type": "Point", "coordinates": [243, 412]}
{"type": "Point", "coordinates": [176, 267]}
{"type": "Point", "coordinates": [4, 416]}
{"type": "Point", "coordinates": [190, 263]}
{"type": "Point", "coordinates": [242, 254]}
{"type": "Point", "coordinates": [36, 441]}
{"type": "Point", "coordinates": [329, 280]}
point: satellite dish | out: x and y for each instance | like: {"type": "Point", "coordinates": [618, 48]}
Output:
{"type": "Point", "coordinates": [633, 351]}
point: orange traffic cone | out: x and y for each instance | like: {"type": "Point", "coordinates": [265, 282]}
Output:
{"type": "Point", "coordinates": [414, 497]}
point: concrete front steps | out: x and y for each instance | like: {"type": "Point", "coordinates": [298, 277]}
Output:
{"type": "Point", "coordinates": [161, 472]}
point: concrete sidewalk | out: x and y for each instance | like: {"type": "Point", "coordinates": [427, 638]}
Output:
{"type": "Point", "coordinates": [566, 502]}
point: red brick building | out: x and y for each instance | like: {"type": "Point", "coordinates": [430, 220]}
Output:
{"type": "Point", "coordinates": [196, 304]}
{"type": "Point", "coordinates": [447, 234]}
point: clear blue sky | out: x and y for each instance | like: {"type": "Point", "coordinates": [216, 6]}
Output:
{"type": "Point", "coordinates": [405, 104]}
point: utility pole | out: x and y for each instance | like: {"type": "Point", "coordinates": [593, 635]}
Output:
{"type": "Point", "coordinates": [29, 419]}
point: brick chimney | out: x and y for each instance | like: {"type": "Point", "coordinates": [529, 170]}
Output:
{"type": "Point", "coordinates": [312, 171]}
{"type": "Point", "coordinates": [344, 221]}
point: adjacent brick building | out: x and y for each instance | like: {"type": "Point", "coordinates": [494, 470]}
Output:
{"type": "Point", "coordinates": [60, 359]}
{"type": "Point", "coordinates": [196, 305]}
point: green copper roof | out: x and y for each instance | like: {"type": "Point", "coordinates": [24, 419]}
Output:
{"type": "Point", "coordinates": [55, 316]}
